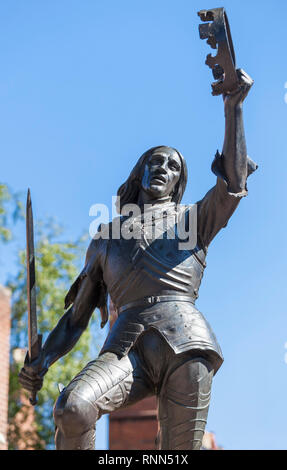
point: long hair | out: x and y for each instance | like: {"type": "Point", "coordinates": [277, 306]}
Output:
{"type": "Point", "coordinates": [128, 192]}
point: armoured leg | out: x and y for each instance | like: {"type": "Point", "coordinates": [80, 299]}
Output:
{"type": "Point", "coordinates": [104, 385]}
{"type": "Point", "coordinates": [183, 406]}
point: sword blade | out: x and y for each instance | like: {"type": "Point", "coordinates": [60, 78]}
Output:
{"type": "Point", "coordinates": [33, 344]}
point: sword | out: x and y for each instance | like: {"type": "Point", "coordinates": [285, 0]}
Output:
{"type": "Point", "coordinates": [34, 339]}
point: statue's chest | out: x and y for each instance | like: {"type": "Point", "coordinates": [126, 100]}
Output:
{"type": "Point", "coordinates": [156, 258]}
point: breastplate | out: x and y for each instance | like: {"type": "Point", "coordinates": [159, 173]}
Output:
{"type": "Point", "coordinates": [151, 263]}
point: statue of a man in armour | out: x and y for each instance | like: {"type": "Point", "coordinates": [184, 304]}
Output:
{"type": "Point", "coordinates": [160, 344]}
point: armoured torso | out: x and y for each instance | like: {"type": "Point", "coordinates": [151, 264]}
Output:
{"type": "Point", "coordinates": [153, 267]}
{"type": "Point", "coordinates": [151, 263]}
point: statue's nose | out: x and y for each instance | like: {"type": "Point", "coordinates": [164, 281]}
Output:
{"type": "Point", "coordinates": [162, 171]}
{"type": "Point", "coordinates": [163, 168]}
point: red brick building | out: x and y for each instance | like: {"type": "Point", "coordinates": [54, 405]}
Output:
{"type": "Point", "coordinates": [134, 428]}
{"type": "Point", "coordinates": [5, 325]}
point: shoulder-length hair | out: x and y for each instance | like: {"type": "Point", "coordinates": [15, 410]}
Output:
{"type": "Point", "coordinates": [128, 192]}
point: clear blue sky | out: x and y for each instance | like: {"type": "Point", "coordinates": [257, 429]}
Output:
{"type": "Point", "coordinates": [87, 87]}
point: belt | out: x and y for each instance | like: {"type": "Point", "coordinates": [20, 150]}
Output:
{"type": "Point", "coordinates": [153, 299]}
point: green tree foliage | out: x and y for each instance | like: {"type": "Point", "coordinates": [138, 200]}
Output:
{"type": "Point", "coordinates": [11, 209]}
{"type": "Point", "coordinates": [5, 233]}
{"type": "Point", "coordinates": [57, 264]}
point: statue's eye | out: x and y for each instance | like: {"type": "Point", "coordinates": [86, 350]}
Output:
{"type": "Point", "coordinates": [174, 166]}
{"type": "Point", "coordinates": [156, 161]}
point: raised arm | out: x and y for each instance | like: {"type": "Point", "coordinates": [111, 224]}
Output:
{"type": "Point", "coordinates": [234, 153]}
{"type": "Point", "coordinates": [231, 167]}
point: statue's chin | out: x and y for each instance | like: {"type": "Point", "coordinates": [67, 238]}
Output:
{"type": "Point", "coordinates": [157, 190]}
{"type": "Point", "coordinates": [155, 193]}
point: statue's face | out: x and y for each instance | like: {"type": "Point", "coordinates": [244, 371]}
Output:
{"type": "Point", "coordinates": [161, 173]}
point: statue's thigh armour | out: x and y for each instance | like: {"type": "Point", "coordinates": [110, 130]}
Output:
{"type": "Point", "coordinates": [109, 382]}
{"type": "Point", "coordinates": [182, 383]}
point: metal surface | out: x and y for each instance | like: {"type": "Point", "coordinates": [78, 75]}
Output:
{"type": "Point", "coordinates": [182, 326]}
{"type": "Point", "coordinates": [34, 340]}
{"type": "Point", "coordinates": [223, 65]}
{"type": "Point", "coordinates": [109, 383]}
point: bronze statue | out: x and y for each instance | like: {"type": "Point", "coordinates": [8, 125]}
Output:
{"type": "Point", "coordinates": [160, 343]}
